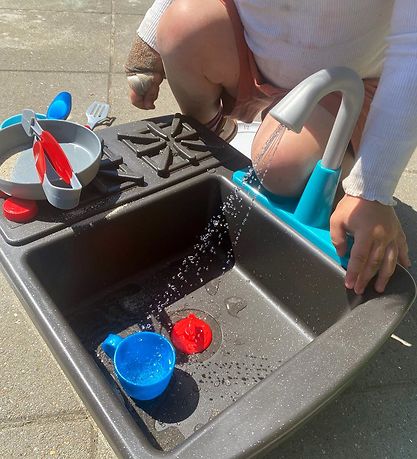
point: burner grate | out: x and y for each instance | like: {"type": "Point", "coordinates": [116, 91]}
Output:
{"type": "Point", "coordinates": [114, 175]}
{"type": "Point", "coordinates": [168, 147]}
{"type": "Point", "coordinates": [139, 159]}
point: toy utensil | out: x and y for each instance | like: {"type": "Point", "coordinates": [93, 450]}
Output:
{"type": "Point", "coordinates": [51, 164]}
{"type": "Point", "coordinates": [60, 107]}
{"type": "Point", "coordinates": [96, 113]}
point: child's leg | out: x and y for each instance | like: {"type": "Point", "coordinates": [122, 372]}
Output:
{"type": "Point", "coordinates": [198, 49]}
{"type": "Point", "coordinates": [296, 154]}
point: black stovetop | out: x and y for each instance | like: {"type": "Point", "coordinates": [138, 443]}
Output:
{"type": "Point", "coordinates": [138, 159]}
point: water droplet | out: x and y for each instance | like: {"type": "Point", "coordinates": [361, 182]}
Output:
{"type": "Point", "coordinates": [212, 287]}
{"type": "Point", "coordinates": [234, 305]}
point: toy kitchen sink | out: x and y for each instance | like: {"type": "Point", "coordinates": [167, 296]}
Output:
{"type": "Point", "coordinates": [170, 236]}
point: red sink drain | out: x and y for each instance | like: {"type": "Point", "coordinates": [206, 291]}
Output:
{"type": "Point", "coordinates": [191, 335]}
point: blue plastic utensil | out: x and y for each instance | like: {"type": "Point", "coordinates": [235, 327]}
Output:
{"type": "Point", "coordinates": [143, 362]}
{"type": "Point", "coordinates": [16, 119]}
{"type": "Point", "coordinates": [60, 107]}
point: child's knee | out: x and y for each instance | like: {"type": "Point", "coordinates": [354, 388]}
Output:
{"type": "Point", "coordinates": [294, 158]}
{"type": "Point", "coordinates": [285, 166]}
{"type": "Point", "coordinates": [281, 176]}
{"type": "Point", "coordinates": [178, 28]}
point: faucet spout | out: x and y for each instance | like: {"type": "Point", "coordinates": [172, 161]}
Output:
{"type": "Point", "coordinates": [295, 108]}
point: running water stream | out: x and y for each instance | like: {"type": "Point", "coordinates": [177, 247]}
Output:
{"type": "Point", "coordinates": [216, 230]}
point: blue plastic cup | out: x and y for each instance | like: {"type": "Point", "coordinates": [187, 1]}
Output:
{"type": "Point", "coordinates": [143, 362]}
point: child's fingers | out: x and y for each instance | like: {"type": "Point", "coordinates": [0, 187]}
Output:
{"type": "Point", "coordinates": [372, 266]}
{"type": "Point", "coordinates": [358, 259]}
{"type": "Point", "coordinates": [141, 82]}
{"type": "Point", "coordinates": [387, 267]}
{"type": "Point", "coordinates": [338, 236]}
{"type": "Point", "coordinates": [150, 96]}
{"type": "Point", "coordinates": [403, 257]}
{"type": "Point", "coordinates": [136, 99]}
{"type": "Point", "coordinates": [144, 90]}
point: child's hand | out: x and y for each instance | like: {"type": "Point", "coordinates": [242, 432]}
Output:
{"type": "Point", "coordinates": [145, 73]}
{"type": "Point", "coordinates": [144, 89]}
{"type": "Point", "coordinates": [379, 241]}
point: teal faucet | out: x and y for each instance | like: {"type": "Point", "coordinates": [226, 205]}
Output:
{"type": "Point", "coordinates": [310, 215]}
{"type": "Point", "coordinates": [316, 202]}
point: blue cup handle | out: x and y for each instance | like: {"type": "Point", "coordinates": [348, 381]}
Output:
{"type": "Point", "coordinates": [109, 345]}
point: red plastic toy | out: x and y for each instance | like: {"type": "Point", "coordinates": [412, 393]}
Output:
{"type": "Point", "coordinates": [20, 210]}
{"type": "Point", "coordinates": [191, 335]}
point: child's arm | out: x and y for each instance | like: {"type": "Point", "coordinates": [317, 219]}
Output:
{"type": "Point", "coordinates": [389, 139]}
{"type": "Point", "coordinates": [144, 68]}
{"type": "Point", "coordinates": [145, 73]}
{"type": "Point", "coordinates": [148, 27]}
{"type": "Point", "coordinates": [390, 134]}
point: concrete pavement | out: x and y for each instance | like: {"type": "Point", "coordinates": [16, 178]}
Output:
{"type": "Point", "coordinates": [80, 46]}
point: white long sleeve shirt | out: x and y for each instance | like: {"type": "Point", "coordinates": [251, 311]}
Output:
{"type": "Point", "coordinates": [291, 40]}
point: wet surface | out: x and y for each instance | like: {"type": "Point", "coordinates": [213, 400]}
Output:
{"type": "Point", "coordinates": [247, 346]}
{"type": "Point", "coordinates": [169, 258]}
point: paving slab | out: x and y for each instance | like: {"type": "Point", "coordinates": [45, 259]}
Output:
{"type": "Point", "coordinates": [103, 449]}
{"type": "Point", "coordinates": [125, 27]}
{"type": "Point", "coordinates": [37, 89]}
{"type": "Point", "coordinates": [47, 41]}
{"type": "Point", "coordinates": [375, 424]}
{"type": "Point", "coordinates": [31, 382]}
{"type": "Point", "coordinates": [406, 195]}
{"type": "Point", "coordinates": [69, 439]}
{"type": "Point", "coordinates": [97, 6]}
{"type": "Point", "coordinates": [131, 6]}
{"type": "Point", "coordinates": [412, 164]}
{"type": "Point", "coordinates": [406, 189]}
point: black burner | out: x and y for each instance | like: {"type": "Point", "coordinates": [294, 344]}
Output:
{"type": "Point", "coordinates": [138, 159]}
{"type": "Point", "coordinates": [168, 147]}
{"type": "Point", "coordinates": [114, 175]}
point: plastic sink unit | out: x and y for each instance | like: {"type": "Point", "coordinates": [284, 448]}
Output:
{"type": "Point", "coordinates": [287, 335]}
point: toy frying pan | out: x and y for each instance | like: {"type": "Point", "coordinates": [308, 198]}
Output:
{"type": "Point", "coordinates": [50, 161]}
{"type": "Point", "coordinates": [19, 176]}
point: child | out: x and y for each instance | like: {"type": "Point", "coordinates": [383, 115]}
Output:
{"type": "Point", "coordinates": [228, 60]}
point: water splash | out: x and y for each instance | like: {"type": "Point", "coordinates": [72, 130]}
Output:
{"type": "Point", "coordinates": [263, 161]}
{"type": "Point", "coordinates": [217, 229]}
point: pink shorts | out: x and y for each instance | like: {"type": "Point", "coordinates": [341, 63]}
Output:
{"type": "Point", "coordinates": [256, 95]}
